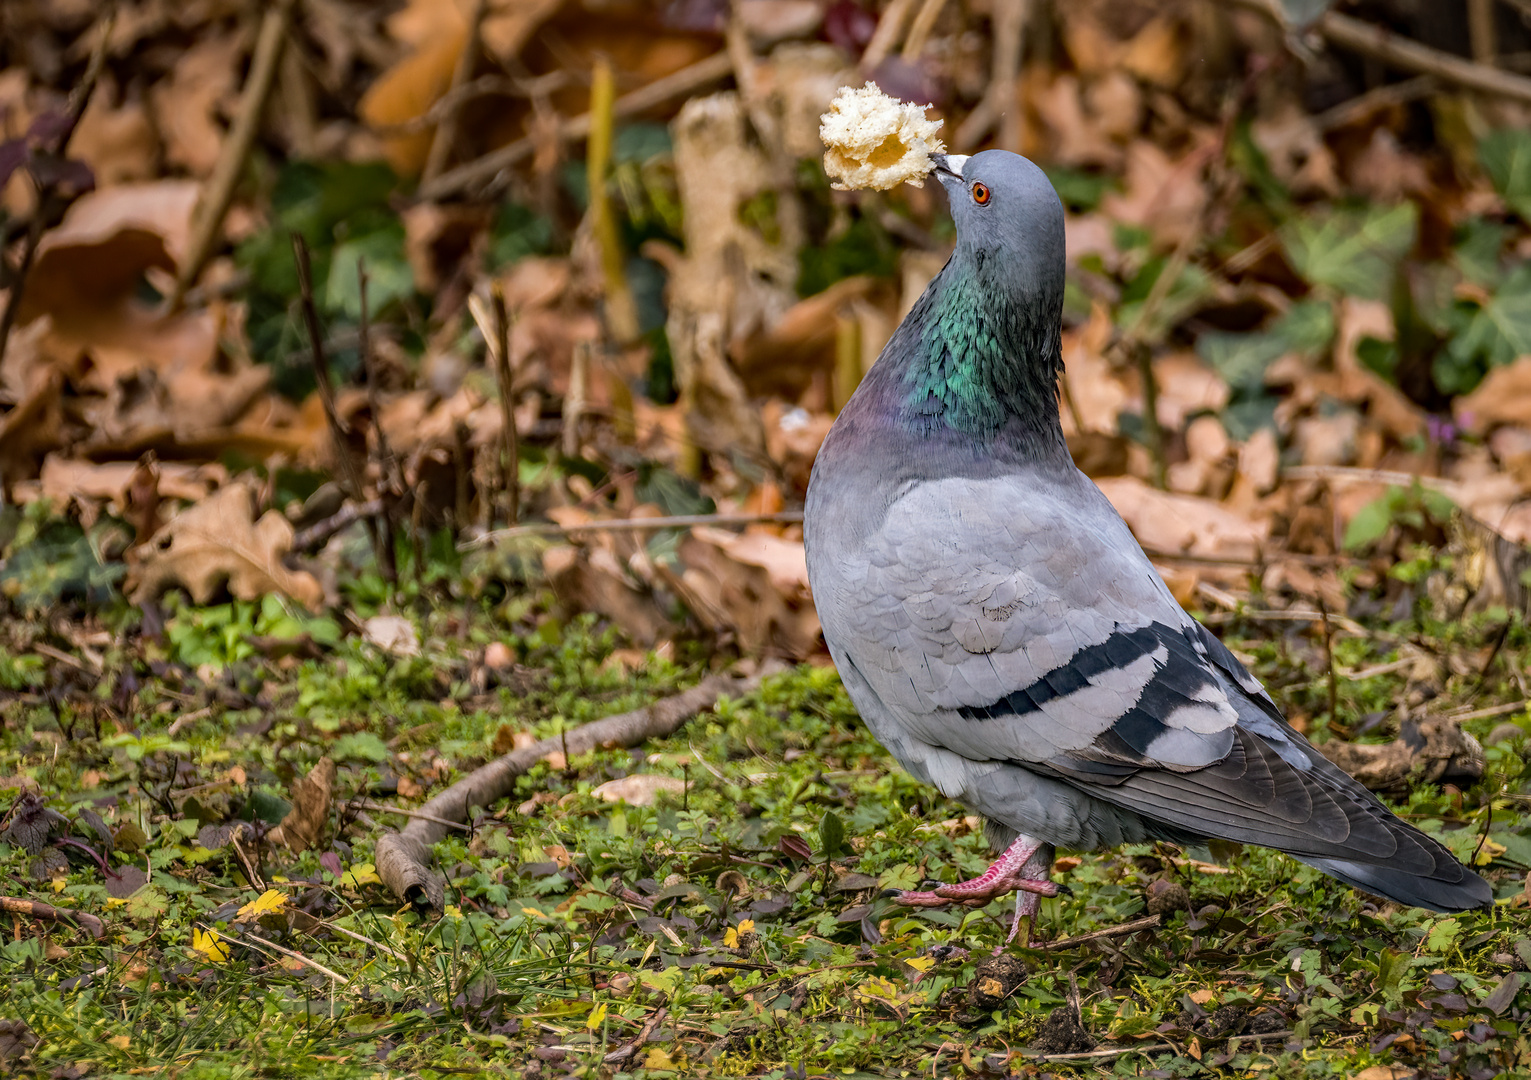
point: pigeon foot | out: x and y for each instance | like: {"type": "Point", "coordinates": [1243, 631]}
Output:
{"type": "Point", "coordinates": [1022, 869]}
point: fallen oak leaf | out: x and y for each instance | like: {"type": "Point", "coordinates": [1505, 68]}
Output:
{"type": "Point", "coordinates": [218, 542]}
{"type": "Point", "coordinates": [311, 797]}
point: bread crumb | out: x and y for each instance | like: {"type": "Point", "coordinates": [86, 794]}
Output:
{"type": "Point", "coordinates": [876, 141]}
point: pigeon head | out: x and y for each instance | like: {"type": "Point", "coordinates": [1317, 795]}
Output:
{"type": "Point", "coordinates": [979, 354]}
{"type": "Point", "coordinates": [1009, 223]}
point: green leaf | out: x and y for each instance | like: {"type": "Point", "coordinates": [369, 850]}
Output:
{"type": "Point", "coordinates": [1500, 331]}
{"type": "Point", "coordinates": [831, 834]}
{"type": "Point", "coordinates": [148, 902]}
{"type": "Point", "coordinates": [1506, 157]}
{"type": "Point", "coordinates": [389, 276]}
{"type": "Point", "coordinates": [1477, 251]}
{"type": "Point", "coordinates": [1369, 523]}
{"type": "Point", "coordinates": [1443, 935]}
{"type": "Point", "coordinates": [1352, 251]}
{"type": "Point", "coordinates": [359, 746]}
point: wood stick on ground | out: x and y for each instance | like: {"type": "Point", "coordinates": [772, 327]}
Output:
{"type": "Point", "coordinates": [78, 99]}
{"type": "Point", "coordinates": [1152, 1048]}
{"type": "Point", "coordinates": [213, 203]}
{"type": "Point", "coordinates": [316, 534]}
{"type": "Point", "coordinates": [402, 859]}
{"type": "Point", "coordinates": [678, 521]}
{"type": "Point", "coordinates": [446, 131]}
{"type": "Point", "coordinates": [1146, 923]}
{"type": "Point", "coordinates": [246, 938]}
{"type": "Point", "coordinates": [37, 910]}
{"type": "Point", "coordinates": [472, 174]}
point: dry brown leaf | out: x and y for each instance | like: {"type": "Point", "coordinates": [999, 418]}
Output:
{"type": "Point", "coordinates": [639, 789]}
{"type": "Point", "coordinates": [118, 142]}
{"type": "Point", "coordinates": [1503, 397]}
{"type": "Point", "coordinates": [1187, 385]}
{"type": "Point", "coordinates": [98, 255]}
{"type": "Point", "coordinates": [1183, 524]}
{"type": "Point", "coordinates": [67, 480]}
{"type": "Point", "coordinates": [393, 634]}
{"type": "Point", "coordinates": [305, 825]}
{"type": "Point", "coordinates": [190, 103]}
{"type": "Point", "coordinates": [1161, 195]}
{"type": "Point", "coordinates": [1096, 397]}
{"type": "Point", "coordinates": [218, 543]}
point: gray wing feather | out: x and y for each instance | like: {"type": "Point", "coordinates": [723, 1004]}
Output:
{"type": "Point", "coordinates": [1009, 633]}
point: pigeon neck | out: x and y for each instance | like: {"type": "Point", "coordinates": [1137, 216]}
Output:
{"type": "Point", "coordinates": [986, 363]}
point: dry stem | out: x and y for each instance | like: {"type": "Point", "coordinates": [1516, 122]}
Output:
{"type": "Point", "coordinates": [213, 204]}
{"type": "Point", "coordinates": [474, 173]}
{"type": "Point", "coordinates": [402, 858]}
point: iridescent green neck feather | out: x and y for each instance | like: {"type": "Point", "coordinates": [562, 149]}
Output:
{"type": "Point", "coordinates": [982, 362]}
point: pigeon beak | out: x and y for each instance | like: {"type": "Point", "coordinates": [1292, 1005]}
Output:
{"type": "Point", "coordinates": [949, 165]}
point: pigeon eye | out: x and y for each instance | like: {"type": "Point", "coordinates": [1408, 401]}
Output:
{"type": "Point", "coordinates": [980, 193]}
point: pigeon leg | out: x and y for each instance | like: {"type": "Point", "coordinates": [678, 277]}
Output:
{"type": "Point", "coordinates": [1023, 867]}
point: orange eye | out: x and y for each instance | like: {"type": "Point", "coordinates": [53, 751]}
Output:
{"type": "Point", "coordinates": [980, 193]}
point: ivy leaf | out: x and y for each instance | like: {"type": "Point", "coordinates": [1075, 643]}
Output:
{"type": "Point", "coordinates": [1352, 251]}
{"type": "Point", "coordinates": [1506, 157]}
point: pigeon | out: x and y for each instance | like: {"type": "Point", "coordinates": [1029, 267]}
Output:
{"type": "Point", "coordinates": [1003, 634]}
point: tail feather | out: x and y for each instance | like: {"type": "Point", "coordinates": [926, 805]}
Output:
{"type": "Point", "coordinates": [1452, 888]}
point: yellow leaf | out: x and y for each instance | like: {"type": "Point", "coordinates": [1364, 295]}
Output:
{"type": "Point", "coordinates": [877, 986]}
{"type": "Point", "coordinates": [731, 938]}
{"type": "Point", "coordinates": [596, 1018]}
{"type": "Point", "coordinates": [452, 911]}
{"type": "Point", "coordinates": [658, 1059]}
{"type": "Point", "coordinates": [267, 903]}
{"type": "Point", "coordinates": [209, 945]}
{"type": "Point", "coordinates": [746, 926]}
{"type": "Point", "coordinates": [121, 1042]}
{"type": "Point", "coordinates": [533, 912]}
{"type": "Point", "coordinates": [921, 963]}
{"type": "Point", "coordinates": [1489, 852]}
{"type": "Point", "coordinates": [359, 875]}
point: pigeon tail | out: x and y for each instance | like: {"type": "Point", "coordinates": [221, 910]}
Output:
{"type": "Point", "coordinates": [1465, 894]}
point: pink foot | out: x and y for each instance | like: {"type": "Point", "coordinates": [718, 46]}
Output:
{"type": "Point", "coordinates": [1022, 869]}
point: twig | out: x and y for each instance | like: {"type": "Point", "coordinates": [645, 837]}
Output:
{"type": "Point", "coordinates": [213, 203]}
{"type": "Point", "coordinates": [473, 173]}
{"type": "Point", "coordinates": [574, 400]}
{"type": "Point", "coordinates": [364, 939]}
{"type": "Point", "coordinates": [1487, 711]}
{"type": "Point", "coordinates": [446, 131]}
{"type": "Point", "coordinates": [636, 1043]}
{"type": "Point", "coordinates": [1153, 1048]}
{"type": "Point", "coordinates": [252, 872]}
{"type": "Point", "coordinates": [386, 465]}
{"type": "Point", "coordinates": [1383, 97]}
{"type": "Point", "coordinates": [38, 910]}
{"type": "Point", "coordinates": [889, 25]}
{"type": "Point", "coordinates": [999, 100]}
{"type": "Point", "coordinates": [1148, 922]}
{"type": "Point", "coordinates": [401, 858]}
{"type": "Point", "coordinates": [919, 30]}
{"type": "Point", "coordinates": [1401, 52]}
{"type": "Point", "coordinates": [338, 430]}
{"type": "Point", "coordinates": [1480, 31]}
{"type": "Point", "coordinates": [678, 521]}
{"type": "Point", "coordinates": [511, 462]}
{"type": "Point", "coordinates": [78, 99]}
{"type": "Point", "coordinates": [247, 938]}
{"type": "Point", "coordinates": [421, 815]}
{"type": "Point", "coordinates": [316, 534]}
{"type": "Point", "coordinates": [621, 312]}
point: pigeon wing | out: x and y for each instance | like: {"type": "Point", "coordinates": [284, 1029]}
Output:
{"type": "Point", "coordinates": [1017, 621]}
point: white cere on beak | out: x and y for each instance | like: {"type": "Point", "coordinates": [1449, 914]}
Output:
{"type": "Point", "coordinates": [954, 162]}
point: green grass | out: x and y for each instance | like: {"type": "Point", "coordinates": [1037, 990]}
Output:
{"type": "Point", "coordinates": [541, 967]}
